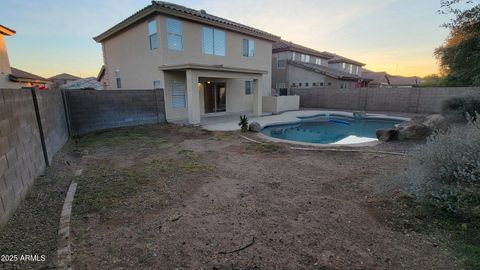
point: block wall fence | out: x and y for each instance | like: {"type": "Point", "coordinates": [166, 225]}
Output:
{"type": "Point", "coordinates": [411, 100]}
{"type": "Point", "coordinates": [34, 125]}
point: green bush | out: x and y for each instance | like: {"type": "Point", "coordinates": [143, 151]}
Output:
{"type": "Point", "coordinates": [446, 171]}
{"type": "Point", "coordinates": [466, 106]}
{"type": "Point", "coordinates": [243, 123]}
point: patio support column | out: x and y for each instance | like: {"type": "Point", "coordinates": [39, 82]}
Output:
{"type": "Point", "coordinates": [193, 98]}
{"type": "Point", "coordinates": [257, 96]}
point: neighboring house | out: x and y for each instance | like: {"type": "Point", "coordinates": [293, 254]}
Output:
{"type": "Point", "coordinates": [102, 78]}
{"type": "Point", "coordinates": [11, 77]}
{"type": "Point", "coordinates": [296, 66]}
{"type": "Point", "coordinates": [205, 64]}
{"type": "Point", "coordinates": [383, 79]}
{"type": "Point", "coordinates": [5, 69]}
{"type": "Point", "coordinates": [62, 79]}
{"type": "Point", "coordinates": [25, 79]}
{"type": "Point", "coordinates": [90, 83]}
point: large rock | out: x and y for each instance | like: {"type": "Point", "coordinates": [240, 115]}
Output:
{"type": "Point", "coordinates": [414, 132]}
{"type": "Point", "coordinates": [436, 122]}
{"type": "Point", "coordinates": [386, 134]}
{"type": "Point", "coordinates": [255, 127]}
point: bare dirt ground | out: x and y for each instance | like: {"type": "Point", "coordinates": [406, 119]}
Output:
{"type": "Point", "coordinates": [164, 197]}
{"type": "Point", "coordinates": [170, 197]}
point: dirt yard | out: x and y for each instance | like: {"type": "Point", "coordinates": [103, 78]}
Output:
{"type": "Point", "coordinates": [169, 197]}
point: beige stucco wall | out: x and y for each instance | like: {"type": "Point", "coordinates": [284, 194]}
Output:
{"type": "Point", "coordinates": [280, 103]}
{"type": "Point", "coordinates": [130, 53]}
{"type": "Point", "coordinates": [171, 113]}
{"type": "Point", "coordinates": [5, 67]}
{"type": "Point", "coordinates": [236, 99]}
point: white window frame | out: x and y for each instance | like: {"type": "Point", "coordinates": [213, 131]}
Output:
{"type": "Point", "coordinates": [220, 35]}
{"type": "Point", "coordinates": [248, 47]}
{"type": "Point", "coordinates": [293, 56]}
{"type": "Point", "coordinates": [152, 35]}
{"type": "Point", "coordinates": [118, 78]}
{"type": "Point", "coordinates": [248, 87]}
{"type": "Point", "coordinates": [318, 61]}
{"type": "Point", "coordinates": [182, 96]}
{"type": "Point", "coordinates": [281, 57]}
{"type": "Point", "coordinates": [305, 58]}
{"type": "Point", "coordinates": [171, 35]}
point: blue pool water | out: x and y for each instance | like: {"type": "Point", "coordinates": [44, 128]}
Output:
{"type": "Point", "coordinates": [330, 129]}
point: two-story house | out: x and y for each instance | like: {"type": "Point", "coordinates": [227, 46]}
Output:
{"type": "Point", "coordinates": [204, 63]}
{"type": "Point", "coordinates": [11, 77]}
{"type": "Point", "coordinates": [296, 66]}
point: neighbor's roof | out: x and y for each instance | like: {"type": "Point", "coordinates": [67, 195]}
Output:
{"type": "Point", "coordinates": [64, 76]}
{"type": "Point", "coordinates": [375, 76]}
{"type": "Point", "coordinates": [340, 59]}
{"type": "Point", "coordinates": [283, 45]}
{"type": "Point", "coordinates": [6, 31]}
{"type": "Point", "coordinates": [83, 84]}
{"type": "Point", "coordinates": [23, 76]}
{"type": "Point", "coordinates": [393, 80]}
{"type": "Point", "coordinates": [171, 9]}
{"type": "Point", "coordinates": [328, 71]}
{"type": "Point", "coordinates": [403, 81]}
{"type": "Point", "coordinates": [101, 73]}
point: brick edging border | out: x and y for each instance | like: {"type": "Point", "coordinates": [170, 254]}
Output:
{"type": "Point", "coordinates": [64, 251]}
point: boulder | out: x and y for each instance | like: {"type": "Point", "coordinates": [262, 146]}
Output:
{"type": "Point", "coordinates": [414, 132]}
{"type": "Point", "coordinates": [436, 122]}
{"type": "Point", "coordinates": [255, 127]}
{"type": "Point", "coordinates": [386, 134]}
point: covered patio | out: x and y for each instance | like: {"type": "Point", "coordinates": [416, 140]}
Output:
{"type": "Point", "coordinates": [197, 90]}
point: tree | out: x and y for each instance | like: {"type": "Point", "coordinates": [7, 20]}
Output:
{"type": "Point", "coordinates": [459, 56]}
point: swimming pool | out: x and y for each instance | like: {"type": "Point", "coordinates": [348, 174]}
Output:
{"type": "Point", "coordinates": [330, 129]}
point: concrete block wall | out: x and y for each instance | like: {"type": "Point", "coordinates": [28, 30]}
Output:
{"type": "Point", "coordinates": [91, 110]}
{"type": "Point", "coordinates": [412, 100]}
{"type": "Point", "coordinates": [21, 155]}
{"type": "Point", "coordinates": [54, 122]}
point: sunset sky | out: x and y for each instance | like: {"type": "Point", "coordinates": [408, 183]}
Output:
{"type": "Point", "coordinates": [397, 36]}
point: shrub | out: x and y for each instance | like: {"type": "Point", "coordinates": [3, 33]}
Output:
{"type": "Point", "coordinates": [446, 170]}
{"type": "Point", "coordinates": [466, 106]}
{"type": "Point", "coordinates": [243, 123]}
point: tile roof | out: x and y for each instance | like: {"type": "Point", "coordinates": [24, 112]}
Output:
{"type": "Point", "coordinates": [6, 31]}
{"type": "Point", "coordinates": [64, 76]}
{"type": "Point", "coordinates": [340, 59]}
{"type": "Point", "coordinates": [82, 84]}
{"type": "Point", "coordinates": [23, 76]}
{"type": "Point", "coordinates": [393, 80]}
{"type": "Point", "coordinates": [380, 77]}
{"type": "Point", "coordinates": [403, 81]}
{"type": "Point", "coordinates": [283, 45]}
{"type": "Point", "coordinates": [187, 13]}
{"type": "Point", "coordinates": [328, 71]}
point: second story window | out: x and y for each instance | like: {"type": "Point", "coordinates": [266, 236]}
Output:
{"type": "Point", "coordinates": [152, 34]}
{"type": "Point", "coordinates": [294, 56]}
{"type": "Point", "coordinates": [174, 34]}
{"type": "Point", "coordinates": [305, 58]}
{"type": "Point", "coordinates": [318, 61]}
{"type": "Point", "coordinates": [344, 66]}
{"type": "Point", "coordinates": [248, 48]}
{"type": "Point", "coordinates": [213, 41]}
{"type": "Point", "coordinates": [281, 60]}
{"type": "Point", "coordinates": [118, 79]}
